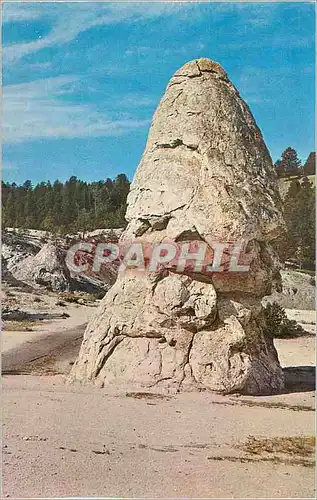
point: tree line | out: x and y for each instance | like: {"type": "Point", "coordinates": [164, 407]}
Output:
{"type": "Point", "coordinates": [75, 206]}
{"type": "Point", "coordinates": [290, 165]}
{"type": "Point", "coordinates": [299, 243]}
{"type": "Point", "coordinates": [66, 207]}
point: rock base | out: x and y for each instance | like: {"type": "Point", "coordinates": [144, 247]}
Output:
{"type": "Point", "coordinates": [177, 334]}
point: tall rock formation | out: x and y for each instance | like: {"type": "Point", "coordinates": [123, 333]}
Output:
{"type": "Point", "coordinates": [205, 175]}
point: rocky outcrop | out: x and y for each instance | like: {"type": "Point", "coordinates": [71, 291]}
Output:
{"type": "Point", "coordinates": [205, 175]}
{"type": "Point", "coordinates": [47, 268]}
{"type": "Point", "coordinates": [16, 247]}
{"type": "Point", "coordinates": [298, 291]}
{"type": "Point", "coordinates": [27, 260]}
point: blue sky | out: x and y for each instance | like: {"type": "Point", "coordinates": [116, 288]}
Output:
{"type": "Point", "coordinates": [82, 80]}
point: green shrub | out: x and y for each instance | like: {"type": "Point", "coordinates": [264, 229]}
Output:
{"type": "Point", "coordinates": [69, 297]}
{"type": "Point", "coordinates": [81, 298]}
{"type": "Point", "coordinates": [278, 325]}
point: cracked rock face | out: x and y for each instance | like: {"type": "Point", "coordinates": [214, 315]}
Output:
{"type": "Point", "coordinates": [205, 174]}
{"type": "Point", "coordinates": [46, 268]}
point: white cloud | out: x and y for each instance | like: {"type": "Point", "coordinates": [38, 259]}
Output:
{"type": "Point", "coordinates": [137, 100]}
{"type": "Point", "coordinates": [261, 85]}
{"type": "Point", "coordinates": [40, 65]}
{"type": "Point", "coordinates": [290, 40]}
{"type": "Point", "coordinates": [142, 50]}
{"type": "Point", "coordinates": [15, 12]}
{"type": "Point", "coordinates": [68, 20]}
{"type": "Point", "coordinates": [36, 110]}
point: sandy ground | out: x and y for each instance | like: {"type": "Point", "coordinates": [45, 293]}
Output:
{"type": "Point", "coordinates": [62, 440]}
{"type": "Point", "coordinates": [293, 352]}
{"type": "Point", "coordinates": [79, 316]}
{"type": "Point", "coordinates": [307, 319]}
{"type": "Point", "coordinates": [66, 441]}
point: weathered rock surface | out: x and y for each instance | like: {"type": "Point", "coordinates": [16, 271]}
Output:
{"type": "Point", "coordinates": [206, 174]}
{"type": "Point", "coordinates": [26, 259]}
{"type": "Point", "coordinates": [47, 268]}
{"type": "Point", "coordinates": [16, 247]}
{"type": "Point", "coordinates": [298, 291]}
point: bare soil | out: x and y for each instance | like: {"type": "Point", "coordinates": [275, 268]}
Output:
{"type": "Point", "coordinates": [61, 440]}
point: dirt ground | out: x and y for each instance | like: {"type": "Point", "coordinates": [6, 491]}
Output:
{"type": "Point", "coordinates": [62, 440]}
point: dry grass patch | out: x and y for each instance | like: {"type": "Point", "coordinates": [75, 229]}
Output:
{"type": "Point", "coordinates": [265, 404]}
{"type": "Point", "coordinates": [292, 450]}
{"type": "Point", "coordinates": [145, 395]}
{"type": "Point", "coordinates": [303, 446]}
{"type": "Point", "coordinates": [20, 326]}
{"type": "Point", "coordinates": [273, 460]}
{"type": "Point", "coordinates": [81, 298]}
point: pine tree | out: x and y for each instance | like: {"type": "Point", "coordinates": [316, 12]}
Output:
{"type": "Point", "coordinates": [65, 207]}
{"type": "Point", "coordinates": [289, 164]}
{"type": "Point", "coordinates": [310, 165]}
{"type": "Point", "coordinates": [48, 223]}
{"type": "Point", "coordinates": [294, 188]}
{"type": "Point", "coordinates": [306, 227]}
{"type": "Point", "coordinates": [279, 168]}
{"type": "Point", "coordinates": [299, 215]}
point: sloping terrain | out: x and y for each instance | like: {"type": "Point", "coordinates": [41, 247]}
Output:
{"type": "Point", "coordinates": [284, 183]}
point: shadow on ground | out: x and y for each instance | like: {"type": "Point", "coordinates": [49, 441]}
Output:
{"type": "Point", "coordinates": [49, 354]}
{"type": "Point", "coordinates": [299, 378]}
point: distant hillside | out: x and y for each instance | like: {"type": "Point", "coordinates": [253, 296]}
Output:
{"type": "Point", "coordinates": [298, 245]}
{"type": "Point", "coordinates": [284, 183]}
{"type": "Point", "coordinates": [66, 207]}
{"type": "Point", "coordinates": [310, 165]}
